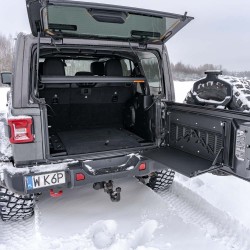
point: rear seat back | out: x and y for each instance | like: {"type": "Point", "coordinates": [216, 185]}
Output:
{"type": "Point", "coordinates": [113, 67]}
{"type": "Point", "coordinates": [53, 67]}
{"type": "Point", "coordinates": [86, 107]}
{"type": "Point", "coordinates": [97, 68]}
{"type": "Point", "coordinates": [99, 106]}
{"type": "Point", "coordinates": [77, 106]}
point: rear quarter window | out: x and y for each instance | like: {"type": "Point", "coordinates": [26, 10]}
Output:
{"type": "Point", "coordinates": [151, 69]}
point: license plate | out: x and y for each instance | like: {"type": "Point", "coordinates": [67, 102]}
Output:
{"type": "Point", "coordinates": [45, 180]}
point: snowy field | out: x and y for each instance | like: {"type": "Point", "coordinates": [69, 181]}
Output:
{"type": "Point", "coordinates": [203, 213]}
{"type": "Point", "coordinates": [3, 98]}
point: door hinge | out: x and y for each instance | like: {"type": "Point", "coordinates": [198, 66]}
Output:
{"type": "Point", "coordinates": [142, 45]}
{"type": "Point", "coordinates": [56, 40]}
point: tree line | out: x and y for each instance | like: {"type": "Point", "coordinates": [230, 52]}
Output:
{"type": "Point", "coordinates": [184, 72]}
{"type": "Point", "coordinates": [6, 52]}
{"type": "Point", "coordinates": [180, 70]}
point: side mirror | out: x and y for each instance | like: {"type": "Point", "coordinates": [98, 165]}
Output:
{"type": "Point", "coordinates": [6, 78]}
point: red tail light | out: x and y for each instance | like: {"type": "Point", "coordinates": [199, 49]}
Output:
{"type": "Point", "coordinates": [20, 129]}
{"type": "Point", "coordinates": [80, 177]}
{"type": "Point", "coordinates": [142, 166]}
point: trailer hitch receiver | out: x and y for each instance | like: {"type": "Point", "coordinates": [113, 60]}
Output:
{"type": "Point", "coordinates": [115, 195]}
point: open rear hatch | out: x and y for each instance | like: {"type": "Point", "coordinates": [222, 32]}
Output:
{"type": "Point", "coordinates": [99, 21]}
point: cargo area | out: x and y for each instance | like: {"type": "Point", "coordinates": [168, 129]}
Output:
{"type": "Point", "coordinates": [97, 110]}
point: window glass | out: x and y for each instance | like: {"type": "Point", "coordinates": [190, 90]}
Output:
{"type": "Point", "coordinates": [127, 67]}
{"type": "Point", "coordinates": [150, 67]}
{"type": "Point", "coordinates": [72, 20]}
{"type": "Point", "coordinates": [74, 66]}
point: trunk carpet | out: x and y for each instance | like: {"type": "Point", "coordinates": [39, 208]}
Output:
{"type": "Point", "coordinates": [98, 139]}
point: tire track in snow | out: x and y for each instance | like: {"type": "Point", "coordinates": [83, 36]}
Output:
{"type": "Point", "coordinates": [215, 223]}
{"type": "Point", "coordinates": [178, 202]}
{"type": "Point", "coordinates": [16, 235]}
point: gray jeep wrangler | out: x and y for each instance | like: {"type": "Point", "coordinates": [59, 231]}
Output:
{"type": "Point", "coordinates": [92, 100]}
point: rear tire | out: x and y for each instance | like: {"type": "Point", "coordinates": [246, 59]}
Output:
{"type": "Point", "coordinates": [14, 207]}
{"type": "Point", "coordinates": [161, 180]}
{"type": "Point", "coordinates": [5, 147]}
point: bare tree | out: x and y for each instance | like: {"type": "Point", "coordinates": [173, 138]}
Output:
{"type": "Point", "coordinates": [6, 52]}
{"type": "Point", "coordinates": [184, 72]}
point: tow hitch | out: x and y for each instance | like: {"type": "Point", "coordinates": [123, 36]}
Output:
{"type": "Point", "coordinates": [55, 194]}
{"type": "Point", "coordinates": [115, 195]}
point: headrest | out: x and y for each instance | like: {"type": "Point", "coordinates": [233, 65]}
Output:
{"type": "Point", "coordinates": [83, 73]}
{"type": "Point", "coordinates": [97, 68]}
{"type": "Point", "coordinates": [53, 67]}
{"type": "Point", "coordinates": [113, 67]}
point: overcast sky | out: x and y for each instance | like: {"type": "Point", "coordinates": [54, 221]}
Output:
{"type": "Point", "coordinates": [220, 33]}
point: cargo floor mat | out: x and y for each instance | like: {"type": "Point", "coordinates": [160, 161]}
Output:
{"type": "Point", "coordinates": [98, 139]}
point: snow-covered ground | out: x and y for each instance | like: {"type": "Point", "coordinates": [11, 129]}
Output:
{"type": "Point", "coordinates": [181, 90]}
{"type": "Point", "coordinates": [203, 213]}
{"type": "Point", "coordinates": [3, 98]}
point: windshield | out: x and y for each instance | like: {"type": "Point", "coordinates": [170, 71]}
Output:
{"type": "Point", "coordinates": [80, 21]}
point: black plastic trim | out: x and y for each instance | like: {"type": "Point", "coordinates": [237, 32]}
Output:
{"type": "Point", "coordinates": [88, 79]}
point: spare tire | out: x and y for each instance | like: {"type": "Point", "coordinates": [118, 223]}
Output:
{"type": "Point", "coordinates": [210, 90]}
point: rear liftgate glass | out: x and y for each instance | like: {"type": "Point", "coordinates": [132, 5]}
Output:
{"type": "Point", "coordinates": [101, 21]}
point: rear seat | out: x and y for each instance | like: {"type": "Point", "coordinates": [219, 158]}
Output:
{"type": "Point", "coordinates": [55, 94]}
{"type": "Point", "coordinates": [85, 107]}
{"type": "Point", "coordinates": [113, 67]}
{"type": "Point", "coordinates": [97, 68]}
{"type": "Point", "coordinates": [101, 106]}
{"type": "Point", "coordinates": [53, 67]}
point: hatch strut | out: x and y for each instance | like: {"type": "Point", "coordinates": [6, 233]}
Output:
{"type": "Point", "coordinates": [38, 56]}
{"type": "Point", "coordinates": [184, 16]}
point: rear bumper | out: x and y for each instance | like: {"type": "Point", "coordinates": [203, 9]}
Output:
{"type": "Point", "coordinates": [94, 171]}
